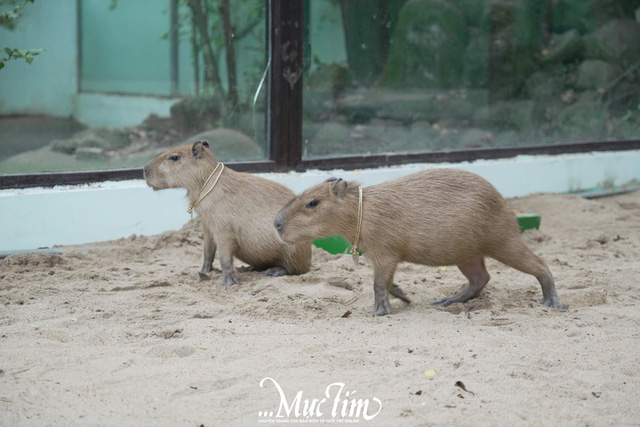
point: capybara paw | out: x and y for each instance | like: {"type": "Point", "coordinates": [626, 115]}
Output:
{"type": "Point", "coordinates": [382, 309]}
{"type": "Point", "coordinates": [204, 276]}
{"type": "Point", "coordinates": [550, 301]}
{"type": "Point", "coordinates": [446, 302]}
{"type": "Point", "coordinates": [275, 272]}
{"type": "Point", "coordinates": [229, 281]}
{"type": "Point", "coordinates": [395, 291]}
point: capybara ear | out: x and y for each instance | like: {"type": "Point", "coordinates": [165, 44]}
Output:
{"type": "Point", "coordinates": [333, 178]}
{"type": "Point", "coordinates": [199, 147]}
{"type": "Point", "coordinates": [339, 187]}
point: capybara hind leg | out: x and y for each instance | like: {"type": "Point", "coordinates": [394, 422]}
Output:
{"type": "Point", "coordinates": [517, 255]}
{"type": "Point", "coordinates": [383, 277]}
{"type": "Point", "coordinates": [228, 273]}
{"type": "Point", "coordinates": [209, 254]}
{"type": "Point", "coordinates": [395, 291]}
{"type": "Point", "coordinates": [478, 276]}
{"type": "Point", "coordinates": [275, 272]}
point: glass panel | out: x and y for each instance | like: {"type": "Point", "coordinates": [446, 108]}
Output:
{"type": "Point", "coordinates": [397, 76]}
{"type": "Point", "coordinates": [122, 53]}
{"type": "Point", "coordinates": [120, 81]}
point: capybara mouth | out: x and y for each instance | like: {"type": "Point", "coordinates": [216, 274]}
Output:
{"type": "Point", "coordinates": [279, 236]}
{"type": "Point", "coordinates": [154, 186]}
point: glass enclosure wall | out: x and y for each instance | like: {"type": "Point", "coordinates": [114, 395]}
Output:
{"type": "Point", "coordinates": [398, 76]}
{"type": "Point", "coordinates": [119, 81]}
{"type": "Point", "coordinates": [122, 53]}
{"type": "Point", "coordinates": [145, 75]}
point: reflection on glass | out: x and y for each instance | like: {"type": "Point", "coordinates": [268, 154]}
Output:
{"type": "Point", "coordinates": [432, 75]}
{"type": "Point", "coordinates": [120, 81]}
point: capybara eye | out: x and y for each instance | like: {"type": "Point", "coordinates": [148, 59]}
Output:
{"type": "Point", "coordinates": [312, 204]}
{"type": "Point", "coordinates": [174, 158]}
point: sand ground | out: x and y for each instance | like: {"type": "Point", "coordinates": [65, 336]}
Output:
{"type": "Point", "coordinates": [125, 333]}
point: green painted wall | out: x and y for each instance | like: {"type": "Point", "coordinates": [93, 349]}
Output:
{"type": "Point", "coordinates": [48, 85]}
{"type": "Point", "coordinates": [123, 50]}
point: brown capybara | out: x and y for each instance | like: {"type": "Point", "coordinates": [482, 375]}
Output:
{"type": "Point", "coordinates": [237, 215]}
{"type": "Point", "coordinates": [436, 217]}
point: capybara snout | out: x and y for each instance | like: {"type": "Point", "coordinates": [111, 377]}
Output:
{"type": "Point", "coordinates": [279, 223]}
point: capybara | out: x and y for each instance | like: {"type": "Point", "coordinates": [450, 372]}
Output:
{"type": "Point", "coordinates": [437, 217]}
{"type": "Point", "coordinates": [237, 213]}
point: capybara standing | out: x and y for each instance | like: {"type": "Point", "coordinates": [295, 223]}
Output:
{"type": "Point", "coordinates": [436, 217]}
{"type": "Point", "coordinates": [236, 209]}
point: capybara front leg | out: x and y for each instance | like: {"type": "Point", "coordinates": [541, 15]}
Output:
{"type": "Point", "coordinates": [209, 254]}
{"type": "Point", "coordinates": [383, 277]}
{"type": "Point", "coordinates": [478, 276]}
{"type": "Point", "coordinates": [228, 272]}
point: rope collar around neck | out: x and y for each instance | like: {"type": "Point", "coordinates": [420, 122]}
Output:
{"type": "Point", "coordinates": [199, 199]}
{"type": "Point", "coordinates": [354, 249]}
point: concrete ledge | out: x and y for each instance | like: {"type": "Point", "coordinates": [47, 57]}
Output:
{"type": "Point", "coordinates": [35, 218]}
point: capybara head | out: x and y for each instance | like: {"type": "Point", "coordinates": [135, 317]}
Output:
{"type": "Point", "coordinates": [186, 166]}
{"type": "Point", "coordinates": [320, 211]}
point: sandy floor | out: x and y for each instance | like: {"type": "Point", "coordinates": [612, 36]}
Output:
{"type": "Point", "coordinates": [125, 333]}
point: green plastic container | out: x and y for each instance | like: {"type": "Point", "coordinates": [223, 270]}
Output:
{"type": "Point", "coordinates": [528, 221]}
{"type": "Point", "coordinates": [332, 244]}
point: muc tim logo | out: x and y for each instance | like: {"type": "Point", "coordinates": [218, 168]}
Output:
{"type": "Point", "coordinates": [337, 405]}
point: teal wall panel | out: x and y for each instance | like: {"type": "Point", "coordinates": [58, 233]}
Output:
{"type": "Point", "coordinates": [123, 49]}
{"type": "Point", "coordinates": [48, 85]}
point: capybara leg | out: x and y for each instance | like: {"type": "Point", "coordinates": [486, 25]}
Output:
{"type": "Point", "coordinates": [228, 274]}
{"type": "Point", "coordinates": [209, 254]}
{"type": "Point", "coordinates": [275, 272]}
{"type": "Point", "coordinates": [478, 276]}
{"type": "Point", "coordinates": [517, 255]}
{"type": "Point", "coordinates": [395, 291]}
{"type": "Point", "coordinates": [383, 277]}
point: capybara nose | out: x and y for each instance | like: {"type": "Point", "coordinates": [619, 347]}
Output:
{"type": "Point", "coordinates": [279, 224]}
{"type": "Point", "coordinates": [146, 171]}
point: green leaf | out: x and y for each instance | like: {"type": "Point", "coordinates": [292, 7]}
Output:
{"type": "Point", "coordinates": [1, 65]}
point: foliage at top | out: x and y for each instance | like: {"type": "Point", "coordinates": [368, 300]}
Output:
{"type": "Point", "coordinates": [10, 13]}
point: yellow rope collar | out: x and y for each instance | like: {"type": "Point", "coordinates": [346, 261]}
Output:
{"type": "Point", "coordinates": [198, 200]}
{"type": "Point", "coordinates": [354, 249]}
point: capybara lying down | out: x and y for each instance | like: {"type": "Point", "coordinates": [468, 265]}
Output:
{"type": "Point", "coordinates": [437, 217]}
{"type": "Point", "coordinates": [236, 209]}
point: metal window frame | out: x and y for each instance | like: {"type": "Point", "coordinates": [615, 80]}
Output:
{"type": "Point", "coordinates": [285, 30]}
